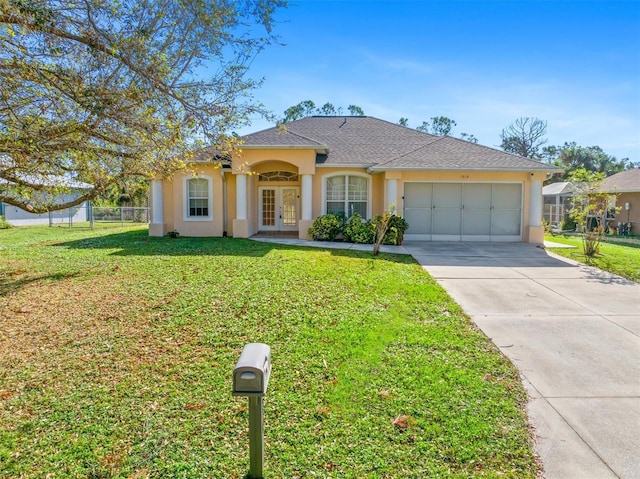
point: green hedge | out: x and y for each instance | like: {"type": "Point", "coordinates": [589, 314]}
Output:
{"type": "Point", "coordinates": [331, 227]}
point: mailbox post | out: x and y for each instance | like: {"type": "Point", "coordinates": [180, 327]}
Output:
{"type": "Point", "coordinates": [250, 378]}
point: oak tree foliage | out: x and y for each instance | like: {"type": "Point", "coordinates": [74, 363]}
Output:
{"type": "Point", "coordinates": [99, 90]}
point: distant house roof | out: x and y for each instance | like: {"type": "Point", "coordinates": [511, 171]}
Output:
{"type": "Point", "coordinates": [563, 188]}
{"type": "Point", "coordinates": [624, 182]}
{"type": "Point", "coordinates": [365, 141]}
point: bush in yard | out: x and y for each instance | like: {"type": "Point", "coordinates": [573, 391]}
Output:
{"type": "Point", "coordinates": [359, 231]}
{"type": "Point", "coordinates": [395, 230]}
{"type": "Point", "coordinates": [568, 225]}
{"type": "Point", "coordinates": [331, 227]}
{"type": "Point", "coordinates": [327, 227]}
{"type": "Point", "coordinates": [3, 223]}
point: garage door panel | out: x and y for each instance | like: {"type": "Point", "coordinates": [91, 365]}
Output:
{"type": "Point", "coordinates": [476, 213]}
{"type": "Point", "coordinates": [447, 195]}
{"type": "Point", "coordinates": [507, 195]}
{"type": "Point", "coordinates": [476, 222]}
{"type": "Point", "coordinates": [505, 223]}
{"type": "Point", "coordinates": [446, 221]}
{"type": "Point", "coordinates": [418, 195]}
{"type": "Point", "coordinates": [419, 220]}
{"type": "Point", "coordinates": [506, 219]}
{"type": "Point", "coordinates": [477, 195]}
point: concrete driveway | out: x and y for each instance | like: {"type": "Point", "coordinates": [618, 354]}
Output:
{"type": "Point", "coordinates": [574, 334]}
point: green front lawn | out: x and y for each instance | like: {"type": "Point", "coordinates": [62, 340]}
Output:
{"type": "Point", "coordinates": [116, 354]}
{"type": "Point", "coordinates": [620, 259]}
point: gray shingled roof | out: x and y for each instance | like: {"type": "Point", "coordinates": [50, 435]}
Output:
{"type": "Point", "coordinates": [624, 182]}
{"type": "Point", "coordinates": [381, 145]}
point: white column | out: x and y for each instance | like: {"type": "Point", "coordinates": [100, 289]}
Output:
{"type": "Point", "coordinates": [241, 197]}
{"type": "Point", "coordinates": [307, 197]}
{"type": "Point", "coordinates": [535, 204]}
{"type": "Point", "coordinates": [157, 209]}
{"type": "Point", "coordinates": [392, 195]}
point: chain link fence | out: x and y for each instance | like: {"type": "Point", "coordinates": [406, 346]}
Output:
{"type": "Point", "coordinates": [119, 214]}
{"type": "Point", "coordinates": [89, 216]}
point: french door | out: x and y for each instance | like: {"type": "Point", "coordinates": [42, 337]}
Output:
{"type": "Point", "coordinates": [278, 208]}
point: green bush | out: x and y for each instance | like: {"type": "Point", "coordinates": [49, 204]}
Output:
{"type": "Point", "coordinates": [3, 224]}
{"type": "Point", "coordinates": [395, 230]}
{"type": "Point", "coordinates": [331, 227]}
{"type": "Point", "coordinates": [327, 227]}
{"type": "Point", "coordinates": [359, 231]}
{"type": "Point", "coordinates": [568, 225]}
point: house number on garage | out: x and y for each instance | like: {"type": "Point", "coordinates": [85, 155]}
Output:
{"type": "Point", "coordinates": [464, 177]}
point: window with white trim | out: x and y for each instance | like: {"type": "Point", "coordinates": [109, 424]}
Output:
{"type": "Point", "coordinates": [347, 194]}
{"type": "Point", "coordinates": [198, 199]}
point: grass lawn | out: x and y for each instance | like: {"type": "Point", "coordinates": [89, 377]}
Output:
{"type": "Point", "coordinates": [117, 349]}
{"type": "Point", "coordinates": [620, 259]}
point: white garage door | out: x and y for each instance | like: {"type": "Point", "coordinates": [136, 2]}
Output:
{"type": "Point", "coordinates": [463, 211]}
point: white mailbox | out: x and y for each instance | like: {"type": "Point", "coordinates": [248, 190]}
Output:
{"type": "Point", "coordinates": [251, 374]}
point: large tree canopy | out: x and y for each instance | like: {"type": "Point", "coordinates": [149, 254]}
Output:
{"type": "Point", "coordinates": [572, 157]}
{"type": "Point", "coordinates": [98, 90]}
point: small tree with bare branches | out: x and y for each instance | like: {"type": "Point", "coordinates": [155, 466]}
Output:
{"type": "Point", "coordinates": [589, 209]}
{"type": "Point", "coordinates": [524, 137]}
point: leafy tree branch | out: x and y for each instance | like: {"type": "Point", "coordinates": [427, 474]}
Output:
{"type": "Point", "coordinates": [98, 90]}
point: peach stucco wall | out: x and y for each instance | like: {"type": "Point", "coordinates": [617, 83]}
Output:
{"type": "Point", "coordinates": [633, 214]}
{"type": "Point", "coordinates": [250, 160]}
{"type": "Point", "coordinates": [173, 199]}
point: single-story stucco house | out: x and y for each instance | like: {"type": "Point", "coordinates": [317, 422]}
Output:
{"type": "Point", "coordinates": [626, 186]}
{"type": "Point", "coordinates": [284, 177]}
{"type": "Point", "coordinates": [19, 217]}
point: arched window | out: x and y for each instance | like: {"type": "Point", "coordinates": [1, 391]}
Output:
{"type": "Point", "coordinates": [278, 176]}
{"type": "Point", "coordinates": [347, 194]}
{"type": "Point", "coordinates": [198, 202]}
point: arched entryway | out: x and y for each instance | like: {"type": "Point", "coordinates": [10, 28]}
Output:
{"type": "Point", "coordinates": [278, 200]}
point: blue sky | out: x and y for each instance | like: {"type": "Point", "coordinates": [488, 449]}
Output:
{"type": "Point", "coordinates": [575, 64]}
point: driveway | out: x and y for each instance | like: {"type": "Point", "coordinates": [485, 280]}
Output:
{"type": "Point", "coordinates": [574, 334]}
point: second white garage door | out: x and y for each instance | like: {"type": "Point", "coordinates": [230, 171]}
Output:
{"type": "Point", "coordinates": [463, 211]}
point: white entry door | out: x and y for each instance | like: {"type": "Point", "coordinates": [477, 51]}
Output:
{"type": "Point", "coordinates": [278, 208]}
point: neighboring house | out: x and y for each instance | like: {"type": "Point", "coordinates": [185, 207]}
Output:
{"type": "Point", "coordinates": [19, 217]}
{"type": "Point", "coordinates": [284, 177]}
{"type": "Point", "coordinates": [557, 202]}
{"type": "Point", "coordinates": [626, 186]}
